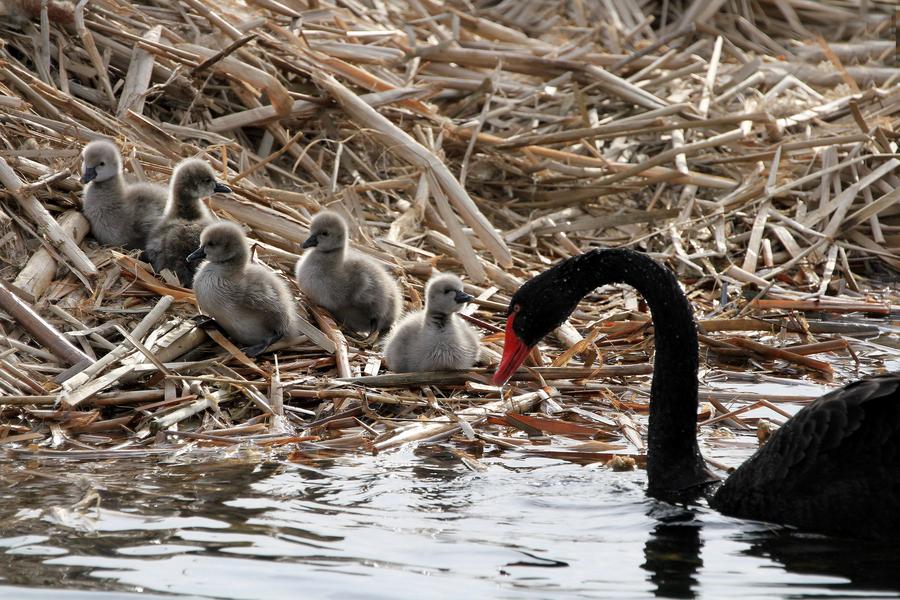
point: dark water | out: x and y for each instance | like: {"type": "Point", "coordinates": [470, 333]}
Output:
{"type": "Point", "coordinates": [410, 524]}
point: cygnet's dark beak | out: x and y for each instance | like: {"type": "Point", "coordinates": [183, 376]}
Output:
{"type": "Point", "coordinates": [221, 188]}
{"type": "Point", "coordinates": [311, 241]}
{"type": "Point", "coordinates": [90, 174]}
{"type": "Point", "coordinates": [461, 297]}
{"type": "Point", "coordinates": [197, 254]}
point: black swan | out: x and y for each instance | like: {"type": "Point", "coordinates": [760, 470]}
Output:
{"type": "Point", "coordinates": [833, 468]}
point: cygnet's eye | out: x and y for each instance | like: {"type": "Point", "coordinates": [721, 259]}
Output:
{"type": "Point", "coordinates": [448, 290]}
{"type": "Point", "coordinates": [101, 164]}
{"type": "Point", "coordinates": [324, 234]}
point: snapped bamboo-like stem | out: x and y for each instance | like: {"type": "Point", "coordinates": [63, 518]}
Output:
{"type": "Point", "coordinates": [44, 333]}
{"type": "Point", "coordinates": [57, 235]}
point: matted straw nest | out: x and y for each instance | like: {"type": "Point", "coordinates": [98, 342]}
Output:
{"type": "Point", "coordinates": [751, 146]}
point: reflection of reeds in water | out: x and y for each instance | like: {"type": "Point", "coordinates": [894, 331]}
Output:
{"type": "Point", "coordinates": [106, 508]}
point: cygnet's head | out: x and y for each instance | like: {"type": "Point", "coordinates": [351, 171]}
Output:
{"type": "Point", "coordinates": [101, 161]}
{"type": "Point", "coordinates": [444, 295]}
{"type": "Point", "coordinates": [194, 178]}
{"type": "Point", "coordinates": [327, 232]}
{"type": "Point", "coordinates": [222, 242]}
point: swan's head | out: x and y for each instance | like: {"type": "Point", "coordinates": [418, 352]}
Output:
{"type": "Point", "coordinates": [327, 232]}
{"type": "Point", "coordinates": [542, 304]}
{"type": "Point", "coordinates": [194, 178]}
{"type": "Point", "coordinates": [444, 295]}
{"type": "Point", "coordinates": [222, 242]}
{"type": "Point", "coordinates": [101, 161]}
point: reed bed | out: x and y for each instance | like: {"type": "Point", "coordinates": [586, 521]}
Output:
{"type": "Point", "coordinates": [752, 146]}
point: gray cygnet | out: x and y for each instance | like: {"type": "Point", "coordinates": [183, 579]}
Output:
{"type": "Point", "coordinates": [356, 289]}
{"type": "Point", "coordinates": [250, 302]}
{"type": "Point", "coordinates": [435, 338]}
{"type": "Point", "coordinates": [120, 213]}
{"type": "Point", "coordinates": [177, 233]}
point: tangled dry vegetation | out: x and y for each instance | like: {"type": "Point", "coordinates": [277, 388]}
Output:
{"type": "Point", "coordinates": [750, 145]}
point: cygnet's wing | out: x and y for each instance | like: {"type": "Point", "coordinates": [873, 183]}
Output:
{"type": "Point", "coordinates": [469, 338]}
{"type": "Point", "coordinates": [265, 292]}
{"type": "Point", "coordinates": [175, 239]}
{"type": "Point", "coordinates": [373, 285]}
{"type": "Point", "coordinates": [362, 280]}
{"type": "Point", "coordinates": [148, 200]}
{"type": "Point", "coordinates": [401, 348]}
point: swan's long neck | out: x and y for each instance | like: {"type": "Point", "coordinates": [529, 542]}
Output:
{"type": "Point", "coordinates": [674, 463]}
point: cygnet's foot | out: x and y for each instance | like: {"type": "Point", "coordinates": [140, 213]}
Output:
{"type": "Point", "coordinates": [363, 343]}
{"type": "Point", "coordinates": [372, 338]}
{"type": "Point", "coordinates": [256, 350]}
{"type": "Point", "coordinates": [204, 322]}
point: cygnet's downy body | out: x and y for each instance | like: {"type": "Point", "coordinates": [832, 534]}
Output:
{"type": "Point", "coordinates": [354, 288]}
{"type": "Point", "coordinates": [120, 213]}
{"type": "Point", "coordinates": [434, 339]}
{"type": "Point", "coordinates": [248, 301]}
{"type": "Point", "coordinates": [178, 232]}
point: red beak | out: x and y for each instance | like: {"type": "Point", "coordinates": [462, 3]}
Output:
{"type": "Point", "coordinates": [514, 353]}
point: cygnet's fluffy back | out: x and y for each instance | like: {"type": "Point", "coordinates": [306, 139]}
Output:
{"type": "Point", "coordinates": [178, 232]}
{"type": "Point", "coordinates": [356, 289]}
{"type": "Point", "coordinates": [435, 338]}
{"type": "Point", "coordinates": [250, 302]}
{"type": "Point", "coordinates": [120, 213]}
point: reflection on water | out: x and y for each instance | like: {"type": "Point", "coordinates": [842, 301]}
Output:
{"type": "Point", "coordinates": [672, 554]}
{"type": "Point", "coordinates": [395, 526]}
{"type": "Point", "coordinates": [864, 564]}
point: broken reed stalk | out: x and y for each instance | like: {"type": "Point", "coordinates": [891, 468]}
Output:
{"type": "Point", "coordinates": [41, 330]}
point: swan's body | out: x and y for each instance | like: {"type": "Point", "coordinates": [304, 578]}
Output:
{"type": "Point", "coordinates": [120, 213]}
{"type": "Point", "coordinates": [252, 304]}
{"type": "Point", "coordinates": [351, 286]}
{"type": "Point", "coordinates": [434, 339]}
{"type": "Point", "coordinates": [177, 233]}
{"type": "Point", "coordinates": [833, 468]}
